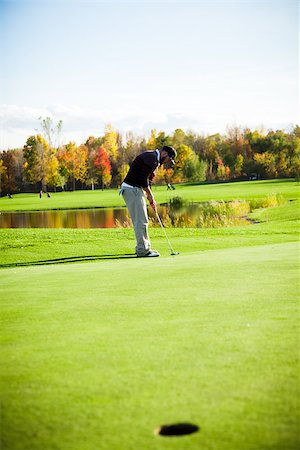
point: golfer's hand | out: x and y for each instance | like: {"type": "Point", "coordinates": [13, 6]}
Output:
{"type": "Point", "coordinates": [153, 205]}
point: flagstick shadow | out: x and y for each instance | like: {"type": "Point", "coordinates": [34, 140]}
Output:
{"type": "Point", "coordinates": [71, 259]}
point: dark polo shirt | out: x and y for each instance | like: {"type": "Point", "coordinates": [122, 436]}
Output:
{"type": "Point", "coordinates": [141, 172]}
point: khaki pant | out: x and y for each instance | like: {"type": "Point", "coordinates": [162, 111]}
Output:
{"type": "Point", "coordinates": [136, 203]}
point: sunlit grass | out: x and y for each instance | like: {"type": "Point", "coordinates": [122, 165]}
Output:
{"type": "Point", "coordinates": [99, 353]}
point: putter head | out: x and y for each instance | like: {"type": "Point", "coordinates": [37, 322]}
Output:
{"type": "Point", "coordinates": [174, 253]}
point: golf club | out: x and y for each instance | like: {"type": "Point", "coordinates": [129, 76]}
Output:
{"type": "Point", "coordinates": [161, 224]}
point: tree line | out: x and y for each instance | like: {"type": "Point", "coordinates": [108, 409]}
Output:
{"type": "Point", "coordinates": [103, 162]}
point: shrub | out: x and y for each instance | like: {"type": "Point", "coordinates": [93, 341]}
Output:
{"type": "Point", "coordinates": [177, 202]}
{"type": "Point", "coordinates": [267, 202]}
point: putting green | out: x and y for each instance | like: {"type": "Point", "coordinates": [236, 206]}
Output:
{"type": "Point", "coordinates": [98, 355]}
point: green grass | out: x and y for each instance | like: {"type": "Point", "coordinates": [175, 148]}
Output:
{"type": "Point", "coordinates": [42, 246]}
{"type": "Point", "coordinates": [197, 193]}
{"type": "Point", "coordinates": [97, 354]}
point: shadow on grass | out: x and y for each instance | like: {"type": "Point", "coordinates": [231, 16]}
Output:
{"type": "Point", "coordinates": [70, 259]}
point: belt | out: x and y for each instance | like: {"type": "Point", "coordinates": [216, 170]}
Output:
{"type": "Point", "coordinates": [126, 185]}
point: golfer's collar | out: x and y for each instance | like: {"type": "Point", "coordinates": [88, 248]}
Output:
{"type": "Point", "coordinates": [158, 156]}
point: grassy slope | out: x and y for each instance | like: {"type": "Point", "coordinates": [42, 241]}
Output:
{"type": "Point", "coordinates": [97, 355]}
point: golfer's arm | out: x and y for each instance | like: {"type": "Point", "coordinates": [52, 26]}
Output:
{"type": "Point", "coordinates": [149, 194]}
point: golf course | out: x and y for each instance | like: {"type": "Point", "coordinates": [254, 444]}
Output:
{"type": "Point", "coordinates": [101, 348]}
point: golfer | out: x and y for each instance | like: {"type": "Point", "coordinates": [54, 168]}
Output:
{"type": "Point", "coordinates": [136, 184]}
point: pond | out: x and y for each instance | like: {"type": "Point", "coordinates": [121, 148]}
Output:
{"type": "Point", "coordinates": [75, 218]}
{"type": "Point", "coordinates": [210, 214]}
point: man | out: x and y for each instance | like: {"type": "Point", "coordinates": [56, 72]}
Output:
{"type": "Point", "coordinates": [136, 184]}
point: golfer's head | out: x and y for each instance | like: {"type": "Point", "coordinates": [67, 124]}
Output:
{"type": "Point", "coordinates": [168, 154]}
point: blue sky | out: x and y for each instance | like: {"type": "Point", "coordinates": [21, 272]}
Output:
{"type": "Point", "coordinates": [200, 65]}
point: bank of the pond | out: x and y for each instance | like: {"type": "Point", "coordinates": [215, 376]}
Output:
{"type": "Point", "coordinates": [248, 190]}
{"type": "Point", "coordinates": [52, 246]}
{"type": "Point", "coordinates": [203, 215]}
{"type": "Point", "coordinates": [177, 213]}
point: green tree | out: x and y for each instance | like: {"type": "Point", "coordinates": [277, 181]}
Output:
{"type": "Point", "coordinates": [267, 162]}
{"type": "Point", "coordinates": [38, 160]}
{"type": "Point", "coordinates": [122, 172]}
{"type": "Point", "coordinates": [194, 169]}
{"type": "Point", "coordinates": [238, 167]}
{"type": "Point", "coordinates": [178, 138]}
{"type": "Point", "coordinates": [184, 153]}
{"type": "Point", "coordinates": [162, 139]}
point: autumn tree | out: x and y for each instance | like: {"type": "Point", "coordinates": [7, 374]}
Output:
{"type": "Point", "coordinates": [294, 153]}
{"type": "Point", "coordinates": [238, 166]}
{"type": "Point", "coordinates": [131, 148]}
{"type": "Point", "coordinates": [110, 142]}
{"type": "Point", "coordinates": [223, 171]}
{"type": "Point", "coordinates": [151, 143]}
{"type": "Point", "coordinates": [12, 170]}
{"type": "Point", "coordinates": [128, 150]}
{"type": "Point", "coordinates": [211, 155]}
{"type": "Point", "coordinates": [39, 161]}
{"type": "Point", "coordinates": [183, 154]}
{"type": "Point", "coordinates": [235, 137]}
{"type": "Point", "coordinates": [92, 145]}
{"type": "Point", "coordinates": [2, 173]}
{"type": "Point", "coordinates": [239, 153]}
{"type": "Point", "coordinates": [103, 167]}
{"type": "Point", "coordinates": [73, 162]}
{"type": "Point", "coordinates": [92, 177]}
{"type": "Point", "coordinates": [122, 172]}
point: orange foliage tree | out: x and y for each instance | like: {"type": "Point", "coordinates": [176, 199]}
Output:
{"type": "Point", "coordinates": [103, 166]}
{"type": "Point", "coordinates": [73, 162]}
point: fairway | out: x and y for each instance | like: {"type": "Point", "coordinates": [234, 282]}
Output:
{"type": "Point", "coordinates": [100, 348]}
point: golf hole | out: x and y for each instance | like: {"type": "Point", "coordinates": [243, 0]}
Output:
{"type": "Point", "coordinates": [176, 429]}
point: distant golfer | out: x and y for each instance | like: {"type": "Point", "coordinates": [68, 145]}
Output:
{"type": "Point", "coordinates": [137, 182]}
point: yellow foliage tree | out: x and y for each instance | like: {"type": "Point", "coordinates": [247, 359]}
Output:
{"type": "Point", "coordinates": [151, 143]}
{"type": "Point", "coordinates": [2, 172]}
{"type": "Point", "coordinates": [38, 157]}
{"type": "Point", "coordinates": [73, 162]}
{"type": "Point", "coordinates": [268, 161]}
{"type": "Point", "coordinates": [184, 153]}
{"type": "Point", "coordinates": [110, 143]}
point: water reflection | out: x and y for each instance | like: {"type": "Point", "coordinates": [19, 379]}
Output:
{"type": "Point", "coordinates": [202, 215]}
{"type": "Point", "coordinates": [82, 218]}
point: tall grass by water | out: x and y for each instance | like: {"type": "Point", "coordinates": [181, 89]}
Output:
{"type": "Point", "coordinates": [213, 214]}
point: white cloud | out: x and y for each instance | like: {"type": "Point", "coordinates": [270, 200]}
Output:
{"type": "Point", "coordinates": [17, 123]}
